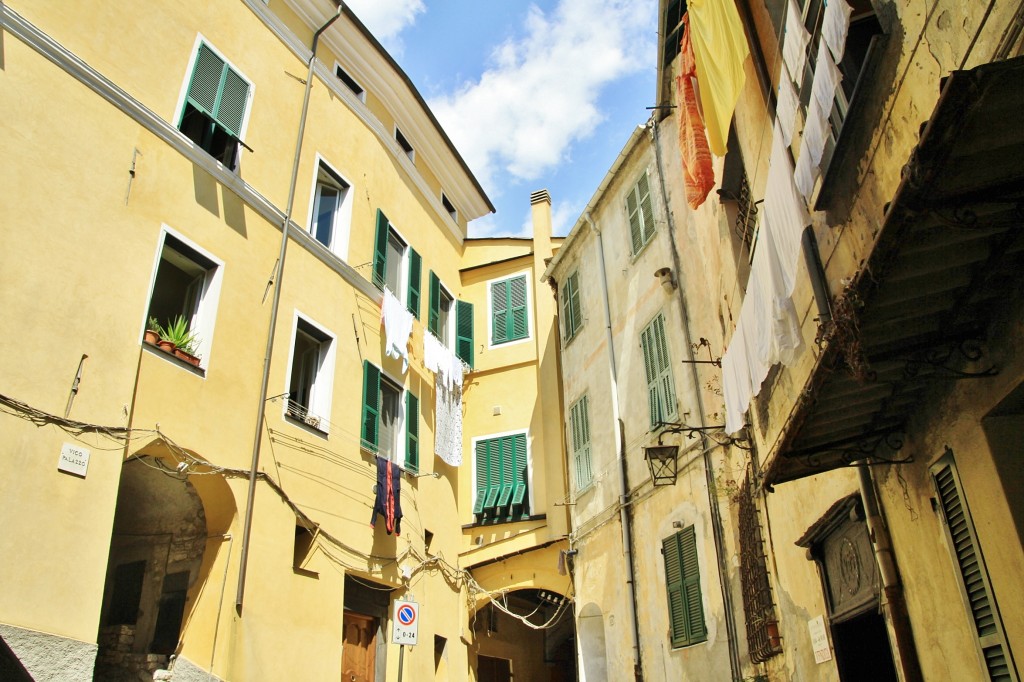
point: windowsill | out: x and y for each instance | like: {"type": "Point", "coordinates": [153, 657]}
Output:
{"type": "Point", "coordinates": [502, 521]}
{"type": "Point", "coordinates": [511, 342]}
{"type": "Point", "coordinates": [297, 421]}
{"type": "Point", "coordinates": [690, 644]}
{"type": "Point", "coordinates": [565, 344]}
{"type": "Point", "coordinates": [305, 572]}
{"type": "Point", "coordinates": [633, 258]}
{"type": "Point", "coordinates": [198, 370]}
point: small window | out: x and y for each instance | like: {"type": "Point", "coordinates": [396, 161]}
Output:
{"type": "Point", "coordinates": [309, 385]}
{"type": "Point", "coordinates": [572, 313]}
{"type": "Point", "coordinates": [509, 314]}
{"type": "Point", "coordinates": [641, 214]}
{"type": "Point", "coordinates": [305, 541]}
{"type": "Point", "coordinates": [350, 82]}
{"type": "Point", "coordinates": [673, 29]}
{"type": "Point", "coordinates": [126, 593]}
{"type": "Point", "coordinates": [682, 580]}
{"type": "Point", "coordinates": [405, 145]}
{"type": "Point", "coordinates": [215, 106]}
{"type": "Point", "coordinates": [390, 419]}
{"type": "Point", "coordinates": [396, 265]}
{"type": "Point", "coordinates": [661, 390]}
{"type": "Point", "coordinates": [579, 431]}
{"type": "Point", "coordinates": [448, 206]}
{"type": "Point", "coordinates": [329, 222]}
{"type": "Point", "coordinates": [185, 290]}
{"type": "Point", "coordinates": [502, 479]}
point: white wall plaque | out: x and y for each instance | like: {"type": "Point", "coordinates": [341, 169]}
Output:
{"type": "Point", "coordinates": [74, 459]}
{"type": "Point", "coordinates": [819, 639]}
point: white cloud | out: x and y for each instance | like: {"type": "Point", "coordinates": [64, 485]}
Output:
{"type": "Point", "coordinates": [540, 92]}
{"type": "Point", "coordinates": [386, 19]}
{"type": "Point", "coordinates": [563, 217]}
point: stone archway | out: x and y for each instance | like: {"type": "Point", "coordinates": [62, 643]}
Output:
{"type": "Point", "coordinates": [590, 628]}
{"type": "Point", "coordinates": [156, 551]}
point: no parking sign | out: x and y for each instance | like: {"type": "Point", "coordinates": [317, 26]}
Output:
{"type": "Point", "coordinates": [406, 622]}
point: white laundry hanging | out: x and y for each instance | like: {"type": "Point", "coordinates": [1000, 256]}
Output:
{"type": "Point", "coordinates": [835, 25]}
{"type": "Point", "coordinates": [787, 107]}
{"type": "Point", "coordinates": [397, 328]}
{"type": "Point", "coordinates": [795, 40]}
{"type": "Point", "coordinates": [447, 422]}
{"type": "Point", "coordinates": [442, 361]}
{"type": "Point", "coordinates": [826, 79]}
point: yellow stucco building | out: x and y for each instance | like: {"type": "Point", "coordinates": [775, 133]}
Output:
{"type": "Point", "coordinates": [263, 182]}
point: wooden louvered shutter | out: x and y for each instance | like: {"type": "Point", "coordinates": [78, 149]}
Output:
{"type": "Point", "coordinates": [574, 302]}
{"type": "Point", "coordinates": [412, 432]}
{"type": "Point", "coordinates": [520, 471]}
{"type": "Point", "coordinates": [380, 250]}
{"type": "Point", "coordinates": [648, 346]}
{"type": "Point", "coordinates": [666, 385]}
{"type": "Point", "coordinates": [636, 234]}
{"type": "Point", "coordinates": [415, 278]}
{"type": "Point", "coordinates": [231, 108]}
{"type": "Point", "coordinates": [434, 304]}
{"type": "Point", "coordinates": [499, 312]}
{"type": "Point", "coordinates": [218, 91]}
{"type": "Point", "coordinates": [493, 463]}
{"type": "Point", "coordinates": [674, 587]}
{"type": "Point", "coordinates": [371, 407]}
{"type": "Point", "coordinates": [517, 324]}
{"type": "Point", "coordinates": [464, 332]}
{"type": "Point", "coordinates": [507, 472]}
{"type": "Point", "coordinates": [579, 420]}
{"type": "Point", "coordinates": [682, 580]}
{"type": "Point", "coordinates": [481, 476]}
{"type": "Point", "coordinates": [646, 207]}
{"type": "Point", "coordinates": [974, 580]}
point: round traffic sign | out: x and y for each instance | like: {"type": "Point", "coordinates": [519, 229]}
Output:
{"type": "Point", "coordinates": [406, 615]}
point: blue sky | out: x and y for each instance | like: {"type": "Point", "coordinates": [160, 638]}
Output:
{"type": "Point", "coordinates": [535, 95]}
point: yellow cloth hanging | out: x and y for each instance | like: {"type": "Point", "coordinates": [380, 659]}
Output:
{"type": "Point", "coordinates": [720, 47]}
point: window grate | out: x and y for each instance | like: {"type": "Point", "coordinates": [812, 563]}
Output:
{"type": "Point", "coordinates": [746, 217]}
{"type": "Point", "coordinates": [762, 624]}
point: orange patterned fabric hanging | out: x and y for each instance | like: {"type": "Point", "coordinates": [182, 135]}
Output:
{"type": "Point", "coordinates": [693, 142]}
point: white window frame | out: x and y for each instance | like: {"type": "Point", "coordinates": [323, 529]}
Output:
{"type": "Point", "coordinates": [583, 399]}
{"type": "Point", "coordinates": [397, 457]}
{"type": "Point", "coordinates": [448, 206]}
{"type": "Point", "coordinates": [321, 393]}
{"type": "Point", "coordinates": [403, 267]}
{"type": "Point", "coordinates": [187, 80]}
{"type": "Point", "coordinates": [403, 142]}
{"type": "Point", "coordinates": [361, 95]}
{"type": "Point", "coordinates": [341, 229]}
{"type": "Point", "coordinates": [529, 310]}
{"type": "Point", "coordinates": [446, 334]}
{"type": "Point", "coordinates": [204, 317]}
{"type": "Point", "coordinates": [529, 465]}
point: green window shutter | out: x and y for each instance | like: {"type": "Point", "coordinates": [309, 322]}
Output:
{"type": "Point", "coordinates": [380, 250]}
{"type": "Point", "coordinates": [464, 332]}
{"type": "Point", "coordinates": [415, 277]}
{"type": "Point", "coordinates": [517, 323]}
{"type": "Point", "coordinates": [519, 470]}
{"type": "Point", "coordinates": [434, 309]}
{"type": "Point", "coordinates": [205, 85]}
{"type": "Point", "coordinates": [682, 582]}
{"type": "Point", "coordinates": [412, 432]}
{"type": "Point", "coordinates": [580, 426]}
{"type": "Point", "coordinates": [506, 456]}
{"type": "Point", "coordinates": [481, 476]}
{"type": "Point", "coordinates": [231, 109]}
{"type": "Point", "coordinates": [636, 230]}
{"type": "Point", "coordinates": [641, 213]}
{"type": "Point", "coordinates": [666, 385]}
{"type": "Point", "coordinates": [648, 346]}
{"type": "Point", "coordinates": [493, 463]}
{"type": "Point", "coordinates": [499, 312]}
{"type": "Point", "coordinates": [371, 407]}
{"type": "Point", "coordinates": [971, 570]}
{"type": "Point", "coordinates": [572, 313]}
{"type": "Point", "coordinates": [646, 208]}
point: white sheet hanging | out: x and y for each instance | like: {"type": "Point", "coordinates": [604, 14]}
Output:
{"type": "Point", "coordinates": [785, 209]}
{"type": "Point", "coordinates": [826, 79]}
{"type": "Point", "coordinates": [440, 360]}
{"type": "Point", "coordinates": [815, 132]}
{"type": "Point", "coordinates": [447, 422]}
{"type": "Point", "coordinates": [787, 107]}
{"type": "Point", "coordinates": [397, 327]}
{"type": "Point", "coordinates": [835, 25]}
{"type": "Point", "coordinates": [795, 40]}
{"type": "Point", "coordinates": [805, 174]}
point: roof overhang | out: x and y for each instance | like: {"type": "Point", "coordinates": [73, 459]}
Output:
{"type": "Point", "coordinates": [950, 251]}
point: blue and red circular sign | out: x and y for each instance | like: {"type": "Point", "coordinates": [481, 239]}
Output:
{"type": "Point", "coordinates": [406, 615]}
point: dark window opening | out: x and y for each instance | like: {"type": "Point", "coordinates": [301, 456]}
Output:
{"type": "Point", "coordinates": [170, 614]}
{"type": "Point", "coordinates": [304, 538]}
{"type": "Point", "coordinates": [126, 593]}
{"type": "Point", "coordinates": [180, 283]}
{"type": "Point", "coordinates": [308, 356]}
{"type": "Point", "coordinates": [404, 143]}
{"type": "Point", "coordinates": [448, 206]}
{"type": "Point", "coordinates": [350, 83]}
{"type": "Point", "coordinates": [673, 29]}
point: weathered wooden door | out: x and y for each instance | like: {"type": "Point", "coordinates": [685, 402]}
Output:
{"type": "Point", "coordinates": [359, 647]}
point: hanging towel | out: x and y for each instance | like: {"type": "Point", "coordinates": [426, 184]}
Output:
{"type": "Point", "coordinates": [826, 79]}
{"type": "Point", "coordinates": [388, 499]}
{"type": "Point", "coordinates": [440, 360]}
{"type": "Point", "coordinates": [448, 423]}
{"type": "Point", "coordinates": [785, 209]}
{"type": "Point", "coordinates": [397, 327]}
{"type": "Point", "coordinates": [835, 25]}
{"type": "Point", "coordinates": [805, 175]}
{"type": "Point", "coordinates": [794, 45]}
{"type": "Point", "coordinates": [787, 107]}
{"type": "Point", "coordinates": [698, 174]}
{"type": "Point", "coordinates": [720, 47]}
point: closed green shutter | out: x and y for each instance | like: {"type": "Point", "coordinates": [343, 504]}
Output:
{"type": "Point", "coordinates": [464, 332]}
{"type": "Point", "coordinates": [579, 426]}
{"type": "Point", "coordinates": [517, 308]}
{"type": "Point", "coordinates": [506, 457]}
{"type": "Point", "coordinates": [415, 277]}
{"type": "Point", "coordinates": [380, 250]}
{"type": "Point", "coordinates": [519, 471]}
{"type": "Point", "coordinates": [499, 312]}
{"type": "Point", "coordinates": [647, 344]}
{"type": "Point", "coordinates": [661, 393]}
{"type": "Point", "coordinates": [572, 313]}
{"type": "Point", "coordinates": [641, 214]}
{"type": "Point", "coordinates": [974, 579]}
{"type": "Point", "coordinates": [682, 582]}
{"type": "Point", "coordinates": [501, 477]}
{"type": "Point", "coordinates": [371, 407]}
{"type": "Point", "coordinates": [481, 476]}
{"type": "Point", "coordinates": [412, 432]}
{"type": "Point", "coordinates": [434, 308]}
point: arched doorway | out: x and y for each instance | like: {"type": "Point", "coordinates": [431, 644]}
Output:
{"type": "Point", "coordinates": [592, 647]}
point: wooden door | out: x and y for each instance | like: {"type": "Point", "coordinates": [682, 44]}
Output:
{"type": "Point", "coordinates": [359, 647]}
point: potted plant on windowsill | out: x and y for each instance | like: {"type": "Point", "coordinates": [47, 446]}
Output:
{"type": "Point", "coordinates": [184, 342]}
{"type": "Point", "coordinates": [152, 335]}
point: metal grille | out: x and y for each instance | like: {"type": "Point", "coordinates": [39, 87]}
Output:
{"type": "Point", "coordinates": [746, 217]}
{"type": "Point", "coordinates": [762, 625]}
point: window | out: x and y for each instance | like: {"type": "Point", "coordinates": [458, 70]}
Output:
{"type": "Point", "coordinates": [641, 214]}
{"type": "Point", "coordinates": [311, 374]}
{"type": "Point", "coordinates": [572, 313]}
{"type": "Point", "coordinates": [579, 428]}
{"type": "Point", "coordinates": [390, 421]}
{"type": "Point", "coordinates": [971, 571]}
{"type": "Point", "coordinates": [405, 145]}
{"type": "Point", "coordinates": [673, 29]}
{"type": "Point", "coordinates": [187, 284]}
{"type": "Point", "coordinates": [215, 106]}
{"type": "Point", "coordinates": [682, 581]}
{"type": "Point", "coordinates": [396, 265]}
{"type": "Point", "coordinates": [439, 320]}
{"type": "Point", "coordinates": [305, 541]}
{"type": "Point", "coordinates": [758, 607]}
{"type": "Point", "coordinates": [661, 390]}
{"type": "Point", "coordinates": [332, 210]}
{"type": "Point", "coordinates": [509, 318]}
{"type": "Point", "coordinates": [448, 206]}
{"type": "Point", "coordinates": [350, 83]}
{"type": "Point", "coordinates": [501, 478]}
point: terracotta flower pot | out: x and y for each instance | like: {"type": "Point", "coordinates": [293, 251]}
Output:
{"type": "Point", "coordinates": [151, 337]}
{"type": "Point", "coordinates": [166, 346]}
{"type": "Point", "coordinates": [186, 356]}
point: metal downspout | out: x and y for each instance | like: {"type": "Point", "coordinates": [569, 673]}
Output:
{"type": "Point", "coordinates": [625, 519]}
{"type": "Point", "coordinates": [278, 278]}
{"type": "Point", "coordinates": [716, 515]}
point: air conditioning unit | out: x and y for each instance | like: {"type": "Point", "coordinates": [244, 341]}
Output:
{"type": "Point", "coordinates": [312, 420]}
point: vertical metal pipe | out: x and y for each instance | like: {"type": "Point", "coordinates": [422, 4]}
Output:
{"type": "Point", "coordinates": [278, 278]}
{"type": "Point", "coordinates": [819, 284]}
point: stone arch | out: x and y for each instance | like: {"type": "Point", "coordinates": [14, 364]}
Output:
{"type": "Point", "coordinates": [590, 638]}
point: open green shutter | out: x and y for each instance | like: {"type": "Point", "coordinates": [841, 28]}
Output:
{"type": "Point", "coordinates": [646, 208]}
{"type": "Point", "coordinates": [499, 312]}
{"type": "Point", "coordinates": [371, 407]}
{"type": "Point", "coordinates": [481, 476]}
{"type": "Point", "coordinates": [574, 302]}
{"type": "Point", "coordinates": [205, 84]}
{"type": "Point", "coordinates": [694, 605]}
{"type": "Point", "coordinates": [674, 588]}
{"type": "Point", "coordinates": [380, 250]}
{"type": "Point", "coordinates": [231, 107]}
{"type": "Point", "coordinates": [415, 277]}
{"type": "Point", "coordinates": [520, 472]}
{"type": "Point", "coordinates": [493, 457]}
{"type": "Point", "coordinates": [517, 322]}
{"type": "Point", "coordinates": [508, 470]}
{"type": "Point", "coordinates": [635, 228]}
{"type": "Point", "coordinates": [464, 332]}
{"type": "Point", "coordinates": [666, 385]}
{"type": "Point", "coordinates": [412, 432]}
{"type": "Point", "coordinates": [434, 309]}
{"type": "Point", "coordinates": [650, 370]}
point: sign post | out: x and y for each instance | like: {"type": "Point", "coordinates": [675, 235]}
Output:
{"type": "Point", "coordinates": [405, 628]}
